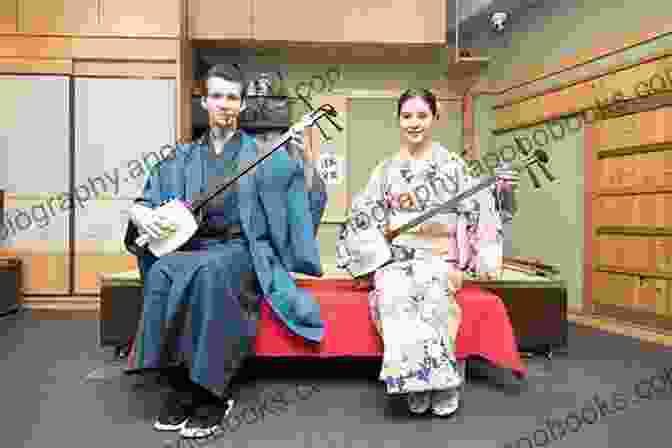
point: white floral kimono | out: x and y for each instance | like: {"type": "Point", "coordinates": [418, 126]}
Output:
{"type": "Point", "coordinates": [413, 302]}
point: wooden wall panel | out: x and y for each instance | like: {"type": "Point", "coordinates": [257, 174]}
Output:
{"type": "Point", "coordinates": [614, 289]}
{"type": "Point", "coordinates": [88, 269]}
{"type": "Point", "coordinates": [205, 19]}
{"type": "Point", "coordinates": [45, 273]}
{"type": "Point", "coordinates": [652, 295]}
{"type": "Point", "coordinates": [635, 293]}
{"type": "Point", "coordinates": [662, 252]}
{"type": "Point", "coordinates": [58, 16]}
{"type": "Point", "coordinates": [644, 210]}
{"type": "Point", "coordinates": [140, 18]}
{"type": "Point", "coordinates": [629, 131]}
{"type": "Point", "coordinates": [630, 253]}
{"type": "Point", "coordinates": [351, 21]}
{"type": "Point", "coordinates": [8, 10]}
{"type": "Point", "coordinates": [649, 171]}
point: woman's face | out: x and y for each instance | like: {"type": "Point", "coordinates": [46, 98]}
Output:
{"type": "Point", "coordinates": [415, 120]}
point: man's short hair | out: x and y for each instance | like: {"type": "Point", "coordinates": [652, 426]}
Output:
{"type": "Point", "coordinates": [229, 73]}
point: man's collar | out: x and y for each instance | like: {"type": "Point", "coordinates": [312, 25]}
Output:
{"type": "Point", "coordinates": [206, 138]}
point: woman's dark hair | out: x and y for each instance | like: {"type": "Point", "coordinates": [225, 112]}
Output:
{"type": "Point", "coordinates": [229, 73]}
{"type": "Point", "coordinates": [425, 94]}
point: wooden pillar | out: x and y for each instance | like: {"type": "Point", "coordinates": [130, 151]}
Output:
{"type": "Point", "coordinates": [470, 149]}
{"type": "Point", "coordinates": [185, 82]}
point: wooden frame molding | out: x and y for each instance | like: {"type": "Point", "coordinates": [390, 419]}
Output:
{"type": "Point", "coordinates": [113, 69]}
{"type": "Point", "coordinates": [23, 66]}
{"type": "Point", "coordinates": [65, 48]}
{"type": "Point", "coordinates": [619, 84]}
{"type": "Point", "coordinates": [510, 101]}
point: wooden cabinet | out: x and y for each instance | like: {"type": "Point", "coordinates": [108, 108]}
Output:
{"type": "Point", "coordinates": [351, 21]}
{"type": "Point", "coordinates": [220, 20]}
{"type": "Point", "coordinates": [140, 18]}
{"type": "Point", "coordinates": [630, 162]}
{"type": "Point", "coordinates": [8, 16]}
{"type": "Point", "coordinates": [58, 16]}
{"type": "Point", "coordinates": [99, 17]}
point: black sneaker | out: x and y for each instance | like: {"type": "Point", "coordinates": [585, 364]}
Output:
{"type": "Point", "coordinates": [206, 419]}
{"type": "Point", "coordinates": [174, 414]}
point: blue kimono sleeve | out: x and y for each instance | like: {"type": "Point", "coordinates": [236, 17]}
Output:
{"type": "Point", "coordinates": [292, 219]}
{"type": "Point", "coordinates": [162, 184]}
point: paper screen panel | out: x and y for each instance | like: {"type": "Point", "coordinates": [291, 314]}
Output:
{"type": "Point", "coordinates": [36, 224]}
{"type": "Point", "coordinates": [101, 226]}
{"type": "Point", "coordinates": [122, 124]}
{"type": "Point", "coordinates": [34, 134]}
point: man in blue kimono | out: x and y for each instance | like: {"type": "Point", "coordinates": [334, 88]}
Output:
{"type": "Point", "coordinates": [201, 303]}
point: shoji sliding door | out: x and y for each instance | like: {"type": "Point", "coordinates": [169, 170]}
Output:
{"type": "Point", "coordinates": [120, 124]}
{"type": "Point", "coordinates": [35, 173]}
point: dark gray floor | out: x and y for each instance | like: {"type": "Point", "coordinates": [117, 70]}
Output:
{"type": "Point", "coordinates": [48, 401]}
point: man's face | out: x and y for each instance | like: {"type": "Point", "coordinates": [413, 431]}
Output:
{"type": "Point", "coordinates": [224, 102]}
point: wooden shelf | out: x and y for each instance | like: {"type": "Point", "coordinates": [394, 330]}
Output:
{"type": "Point", "coordinates": [647, 274]}
{"type": "Point", "coordinates": [634, 231]}
{"type": "Point", "coordinates": [629, 191]}
{"type": "Point", "coordinates": [632, 150]}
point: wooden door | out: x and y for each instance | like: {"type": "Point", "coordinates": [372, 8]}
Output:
{"type": "Point", "coordinates": [629, 163]}
{"type": "Point", "coordinates": [220, 20]}
{"type": "Point", "coordinates": [34, 172]}
{"type": "Point", "coordinates": [122, 125]}
{"type": "Point", "coordinates": [351, 21]}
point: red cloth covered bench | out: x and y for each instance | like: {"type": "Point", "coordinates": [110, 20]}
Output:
{"type": "Point", "coordinates": [485, 329]}
{"type": "Point", "coordinates": [349, 331]}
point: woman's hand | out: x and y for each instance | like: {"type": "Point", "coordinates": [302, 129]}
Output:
{"type": "Point", "coordinates": [364, 283]}
{"type": "Point", "coordinates": [456, 278]}
{"type": "Point", "coordinates": [508, 177]}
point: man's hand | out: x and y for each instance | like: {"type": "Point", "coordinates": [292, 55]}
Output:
{"type": "Point", "coordinates": [150, 222]}
{"type": "Point", "coordinates": [305, 148]}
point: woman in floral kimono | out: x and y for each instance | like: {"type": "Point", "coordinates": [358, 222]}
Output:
{"type": "Point", "coordinates": [413, 301]}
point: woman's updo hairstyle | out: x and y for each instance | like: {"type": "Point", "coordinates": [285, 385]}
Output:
{"type": "Point", "coordinates": [425, 94]}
